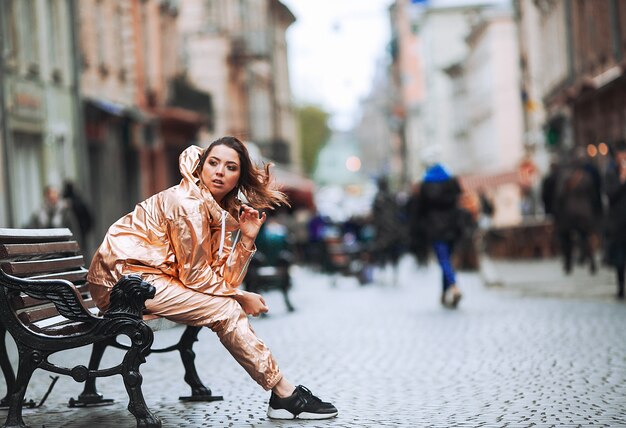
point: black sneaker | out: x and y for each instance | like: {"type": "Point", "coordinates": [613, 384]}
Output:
{"type": "Point", "coordinates": [302, 404]}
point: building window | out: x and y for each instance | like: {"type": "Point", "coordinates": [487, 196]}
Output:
{"type": "Point", "coordinates": [99, 19]}
{"type": "Point", "coordinates": [29, 43]}
{"type": "Point", "coordinates": [10, 34]}
{"type": "Point", "coordinates": [28, 172]}
{"type": "Point", "coordinates": [21, 46]}
{"type": "Point", "coordinates": [58, 39]}
{"type": "Point", "coordinates": [118, 33]}
{"type": "Point", "coordinates": [147, 53]}
{"type": "Point", "coordinates": [212, 15]}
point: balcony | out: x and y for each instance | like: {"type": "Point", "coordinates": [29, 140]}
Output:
{"type": "Point", "coordinates": [250, 45]}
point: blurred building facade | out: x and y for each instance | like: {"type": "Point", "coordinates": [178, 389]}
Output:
{"type": "Point", "coordinates": [504, 87]}
{"type": "Point", "coordinates": [454, 97]}
{"type": "Point", "coordinates": [140, 112]}
{"type": "Point", "coordinates": [576, 75]}
{"type": "Point", "coordinates": [39, 104]}
{"type": "Point", "coordinates": [237, 51]}
{"type": "Point", "coordinates": [487, 119]}
{"type": "Point", "coordinates": [436, 27]}
{"type": "Point", "coordinates": [373, 132]}
{"type": "Point", "coordinates": [407, 94]}
{"type": "Point", "coordinates": [108, 93]}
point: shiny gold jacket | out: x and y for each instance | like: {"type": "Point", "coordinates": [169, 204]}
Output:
{"type": "Point", "coordinates": [180, 232]}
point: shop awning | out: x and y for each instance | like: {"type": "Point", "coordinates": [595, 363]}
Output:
{"type": "Point", "coordinates": [473, 183]}
{"type": "Point", "coordinates": [298, 187]}
{"type": "Point", "coordinates": [181, 116]}
{"type": "Point", "coordinates": [114, 108]}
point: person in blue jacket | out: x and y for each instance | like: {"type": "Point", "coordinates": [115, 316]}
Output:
{"type": "Point", "coordinates": [440, 221]}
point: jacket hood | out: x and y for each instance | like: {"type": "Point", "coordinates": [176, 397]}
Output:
{"type": "Point", "coordinates": [436, 173]}
{"type": "Point", "coordinates": [188, 163]}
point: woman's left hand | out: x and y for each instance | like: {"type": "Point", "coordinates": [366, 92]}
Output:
{"type": "Point", "coordinates": [250, 222]}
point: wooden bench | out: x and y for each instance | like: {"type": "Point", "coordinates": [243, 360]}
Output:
{"type": "Point", "coordinates": [46, 307]}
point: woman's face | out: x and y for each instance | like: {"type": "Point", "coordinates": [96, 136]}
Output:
{"type": "Point", "coordinates": [221, 171]}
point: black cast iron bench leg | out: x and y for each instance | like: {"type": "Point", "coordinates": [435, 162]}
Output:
{"type": "Point", "coordinates": [7, 369]}
{"type": "Point", "coordinates": [90, 395]}
{"type": "Point", "coordinates": [199, 392]}
{"type": "Point", "coordinates": [29, 358]}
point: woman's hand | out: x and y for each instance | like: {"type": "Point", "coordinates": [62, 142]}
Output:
{"type": "Point", "coordinates": [252, 303]}
{"type": "Point", "coordinates": [249, 224]}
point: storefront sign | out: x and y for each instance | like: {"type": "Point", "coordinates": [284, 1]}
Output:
{"type": "Point", "coordinates": [26, 101]}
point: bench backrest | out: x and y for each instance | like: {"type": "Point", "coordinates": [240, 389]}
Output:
{"type": "Point", "coordinates": [42, 254]}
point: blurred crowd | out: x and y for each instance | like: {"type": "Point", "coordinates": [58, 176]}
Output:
{"type": "Point", "coordinates": [585, 203]}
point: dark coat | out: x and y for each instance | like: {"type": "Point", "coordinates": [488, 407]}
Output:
{"type": "Point", "coordinates": [577, 203]}
{"type": "Point", "coordinates": [387, 222]}
{"type": "Point", "coordinates": [615, 228]}
{"type": "Point", "coordinates": [439, 216]}
{"type": "Point", "coordinates": [548, 189]}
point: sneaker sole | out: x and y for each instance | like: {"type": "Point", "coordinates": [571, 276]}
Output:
{"type": "Point", "coordinates": [286, 414]}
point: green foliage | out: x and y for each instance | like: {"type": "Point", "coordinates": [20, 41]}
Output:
{"type": "Point", "coordinates": [314, 132]}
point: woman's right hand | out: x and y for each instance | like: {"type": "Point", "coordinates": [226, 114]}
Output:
{"type": "Point", "coordinates": [252, 303]}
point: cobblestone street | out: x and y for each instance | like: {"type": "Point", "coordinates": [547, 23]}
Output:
{"type": "Point", "coordinates": [542, 349]}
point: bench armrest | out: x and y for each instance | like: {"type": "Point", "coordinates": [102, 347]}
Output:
{"type": "Point", "coordinates": [60, 292]}
{"type": "Point", "coordinates": [128, 297]}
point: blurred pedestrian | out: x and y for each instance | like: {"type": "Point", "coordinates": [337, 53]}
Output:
{"type": "Point", "coordinates": [615, 188]}
{"type": "Point", "coordinates": [81, 211]}
{"type": "Point", "coordinates": [54, 212]}
{"type": "Point", "coordinates": [194, 242]}
{"type": "Point", "coordinates": [316, 252]}
{"type": "Point", "coordinates": [301, 219]}
{"type": "Point", "coordinates": [577, 210]}
{"type": "Point", "coordinates": [442, 221]}
{"type": "Point", "coordinates": [418, 243]}
{"type": "Point", "coordinates": [548, 188]}
{"type": "Point", "coordinates": [466, 253]}
{"type": "Point", "coordinates": [388, 229]}
{"type": "Point", "coordinates": [486, 210]}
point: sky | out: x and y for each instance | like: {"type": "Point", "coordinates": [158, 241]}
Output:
{"type": "Point", "coordinates": [333, 49]}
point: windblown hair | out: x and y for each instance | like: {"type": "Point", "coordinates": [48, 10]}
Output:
{"type": "Point", "coordinates": [255, 183]}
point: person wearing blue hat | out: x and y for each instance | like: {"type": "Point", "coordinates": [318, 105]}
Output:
{"type": "Point", "coordinates": [440, 220]}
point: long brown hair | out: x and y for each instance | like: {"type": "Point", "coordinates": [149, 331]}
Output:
{"type": "Point", "coordinates": [255, 183]}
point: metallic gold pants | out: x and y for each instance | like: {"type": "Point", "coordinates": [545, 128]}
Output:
{"type": "Point", "coordinates": [223, 315]}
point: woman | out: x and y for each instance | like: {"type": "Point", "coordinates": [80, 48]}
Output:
{"type": "Point", "coordinates": [182, 240]}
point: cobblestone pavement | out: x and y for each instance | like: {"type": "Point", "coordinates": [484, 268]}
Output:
{"type": "Point", "coordinates": [540, 350]}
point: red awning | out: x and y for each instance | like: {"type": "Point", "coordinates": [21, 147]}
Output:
{"type": "Point", "coordinates": [298, 187]}
{"type": "Point", "coordinates": [181, 116]}
{"type": "Point", "coordinates": [471, 183]}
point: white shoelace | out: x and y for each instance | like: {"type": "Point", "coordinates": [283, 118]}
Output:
{"type": "Point", "coordinates": [223, 234]}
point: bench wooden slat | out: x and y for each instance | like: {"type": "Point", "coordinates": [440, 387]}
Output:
{"type": "Point", "coordinates": [73, 276]}
{"type": "Point", "coordinates": [48, 310]}
{"type": "Point", "coordinates": [22, 250]}
{"type": "Point", "coordinates": [57, 319]}
{"type": "Point", "coordinates": [32, 267]}
{"type": "Point", "coordinates": [10, 236]}
{"type": "Point", "coordinates": [42, 312]}
{"type": "Point", "coordinates": [24, 301]}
